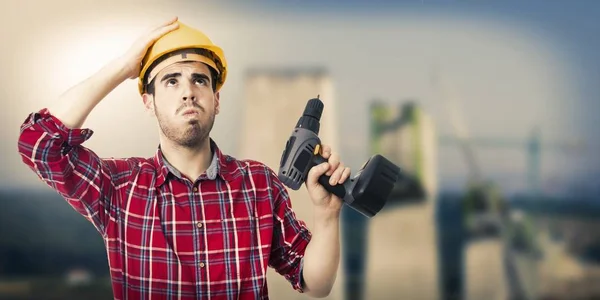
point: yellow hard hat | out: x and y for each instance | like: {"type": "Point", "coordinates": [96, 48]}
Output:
{"type": "Point", "coordinates": [161, 54]}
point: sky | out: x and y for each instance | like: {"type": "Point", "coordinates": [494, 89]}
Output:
{"type": "Point", "coordinates": [515, 65]}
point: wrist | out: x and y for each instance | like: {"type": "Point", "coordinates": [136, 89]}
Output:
{"type": "Point", "coordinates": [121, 68]}
{"type": "Point", "coordinates": [326, 215]}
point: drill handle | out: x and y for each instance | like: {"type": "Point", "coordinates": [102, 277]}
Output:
{"type": "Point", "coordinates": [338, 190]}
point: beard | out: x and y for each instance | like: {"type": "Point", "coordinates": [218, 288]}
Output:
{"type": "Point", "coordinates": [190, 135]}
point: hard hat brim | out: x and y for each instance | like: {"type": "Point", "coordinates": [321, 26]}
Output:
{"type": "Point", "coordinates": [149, 68]}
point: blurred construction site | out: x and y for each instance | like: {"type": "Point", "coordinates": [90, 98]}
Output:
{"type": "Point", "coordinates": [489, 110]}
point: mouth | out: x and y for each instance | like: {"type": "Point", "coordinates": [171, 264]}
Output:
{"type": "Point", "coordinates": [190, 112]}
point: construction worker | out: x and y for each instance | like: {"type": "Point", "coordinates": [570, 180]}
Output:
{"type": "Point", "coordinates": [190, 222]}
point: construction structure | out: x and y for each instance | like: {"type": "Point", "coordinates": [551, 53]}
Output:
{"type": "Point", "coordinates": [396, 257]}
{"type": "Point", "coordinates": [274, 99]}
{"type": "Point", "coordinates": [547, 244]}
{"type": "Point", "coordinates": [406, 134]}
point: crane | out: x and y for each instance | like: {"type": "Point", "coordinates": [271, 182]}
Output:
{"type": "Point", "coordinates": [482, 201]}
{"type": "Point", "coordinates": [483, 206]}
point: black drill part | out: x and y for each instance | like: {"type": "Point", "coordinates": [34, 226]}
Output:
{"type": "Point", "coordinates": [312, 115]}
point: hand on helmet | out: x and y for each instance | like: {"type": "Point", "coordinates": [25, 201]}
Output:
{"type": "Point", "coordinates": [133, 57]}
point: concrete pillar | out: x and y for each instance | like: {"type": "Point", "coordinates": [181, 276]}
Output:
{"type": "Point", "coordinates": [401, 257]}
{"type": "Point", "coordinates": [274, 99]}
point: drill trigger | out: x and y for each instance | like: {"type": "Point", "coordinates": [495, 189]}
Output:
{"type": "Point", "coordinates": [317, 150]}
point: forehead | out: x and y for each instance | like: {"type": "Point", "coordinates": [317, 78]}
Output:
{"type": "Point", "coordinates": [185, 67]}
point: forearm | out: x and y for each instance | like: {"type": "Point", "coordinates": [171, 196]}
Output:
{"type": "Point", "coordinates": [74, 106]}
{"type": "Point", "coordinates": [322, 255]}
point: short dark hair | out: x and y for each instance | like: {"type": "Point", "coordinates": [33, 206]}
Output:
{"type": "Point", "coordinates": [150, 87]}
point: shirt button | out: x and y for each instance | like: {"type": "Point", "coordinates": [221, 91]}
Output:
{"type": "Point", "coordinates": [201, 265]}
{"type": "Point", "coordinates": [199, 224]}
{"type": "Point", "coordinates": [195, 189]}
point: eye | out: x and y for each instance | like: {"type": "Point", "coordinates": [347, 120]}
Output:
{"type": "Point", "coordinates": [171, 82]}
{"type": "Point", "coordinates": [201, 81]}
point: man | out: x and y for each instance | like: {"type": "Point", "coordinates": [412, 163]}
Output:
{"type": "Point", "coordinates": [190, 222]}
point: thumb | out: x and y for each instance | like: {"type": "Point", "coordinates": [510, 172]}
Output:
{"type": "Point", "coordinates": [316, 172]}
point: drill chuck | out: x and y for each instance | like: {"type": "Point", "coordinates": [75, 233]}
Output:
{"type": "Point", "coordinates": [311, 117]}
{"type": "Point", "coordinates": [314, 108]}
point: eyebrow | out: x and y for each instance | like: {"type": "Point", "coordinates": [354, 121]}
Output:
{"type": "Point", "coordinates": [169, 76]}
{"type": "Point", "coordinates": [194, 76]}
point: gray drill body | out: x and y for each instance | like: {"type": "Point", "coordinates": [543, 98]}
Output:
{"type": "Point", "coordinates": [299, 158]}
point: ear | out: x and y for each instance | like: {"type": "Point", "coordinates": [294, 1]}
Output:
{"type": "Point", "coordinates": [148, 103]}
{"type": "Point", "coordinates": [217, 102]}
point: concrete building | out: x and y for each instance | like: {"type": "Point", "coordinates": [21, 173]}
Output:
{"type": "Point", "coordinates": [274, 99]}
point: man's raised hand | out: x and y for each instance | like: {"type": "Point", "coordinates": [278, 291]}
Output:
{"type": "Point", "coordinates": [133, 57]}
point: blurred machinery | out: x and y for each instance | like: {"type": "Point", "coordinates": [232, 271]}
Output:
{"type": "Point", "coordinates": [406, 135]}
{"type": "Point", "coordinates": [482, 202]}
{"type": "Point", "coordinates": [549, 248]}
{"type": "Point", "coordinates": [475, 214]}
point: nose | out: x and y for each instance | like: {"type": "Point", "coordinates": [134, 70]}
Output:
{"type": "Point", "coordinates": [188, 93]}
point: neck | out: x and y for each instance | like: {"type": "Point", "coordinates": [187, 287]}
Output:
{"type": "Point", "coordinates": [191, 162]}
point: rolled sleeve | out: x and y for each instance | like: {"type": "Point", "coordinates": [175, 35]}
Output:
{"type": "Point", "coordinates": [46, 132]}
{"type": "Point", "coordinates": [55, 153]}
{"type": "Point", "coordinates": [290, 238]}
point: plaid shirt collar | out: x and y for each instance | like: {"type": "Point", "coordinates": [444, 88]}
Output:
{"type": "Point", "coordinates": [221, 165]}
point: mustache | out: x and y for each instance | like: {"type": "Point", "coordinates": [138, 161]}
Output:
{"type": "Point", "coordinates": [193, 105]}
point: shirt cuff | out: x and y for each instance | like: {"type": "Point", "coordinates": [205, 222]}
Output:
{"type": "Point", "coordinates": [44, 120]}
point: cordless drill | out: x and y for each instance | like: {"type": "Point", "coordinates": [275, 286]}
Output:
{"type": "Point", "coordinates": [367, 192]}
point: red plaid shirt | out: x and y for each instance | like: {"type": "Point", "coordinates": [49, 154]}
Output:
{"type": "Point", "coordinates": [166, 236]}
